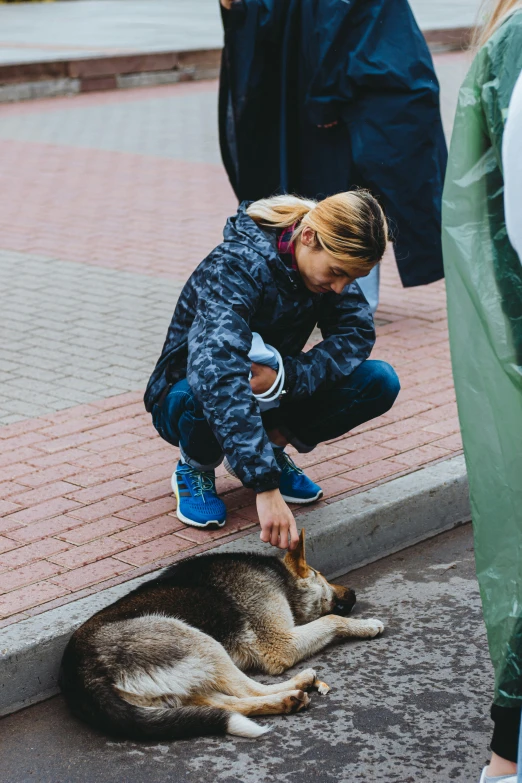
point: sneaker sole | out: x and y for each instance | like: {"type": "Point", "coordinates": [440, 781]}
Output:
{"type": "Point", "coordinates": [186, 520]}
{"type": "Point", "coordinates": [301, 501]}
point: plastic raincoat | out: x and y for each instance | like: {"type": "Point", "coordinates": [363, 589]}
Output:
{"type": "Point", "coordinates": [484, 289]}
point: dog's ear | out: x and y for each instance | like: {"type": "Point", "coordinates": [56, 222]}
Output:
{"type": "Point", "coordinates": [296, 560]}
{"type": "Point", "coordinates": [301, 546]}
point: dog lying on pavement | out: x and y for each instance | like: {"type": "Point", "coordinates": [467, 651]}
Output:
{"type": "Point", "coordinates": [167, 660]}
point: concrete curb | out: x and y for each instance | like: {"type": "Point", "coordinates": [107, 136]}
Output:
{"type": "Point", "coordinates": [345, 535]}
{"type": "Point", "coordinates": [449, 39]}
{"type": "Point", "coordinates": [31, 80]}
{"type": "Point", "coordinates": [24, 81]}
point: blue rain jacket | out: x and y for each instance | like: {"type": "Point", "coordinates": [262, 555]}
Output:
{"type": "Point", "coordinates": [244, 286]}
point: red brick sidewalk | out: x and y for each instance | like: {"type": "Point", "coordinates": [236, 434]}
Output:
{"type": "Point", "coordinates": [85, 493]}
{"type": "Point", "coordinates": [85, 497]}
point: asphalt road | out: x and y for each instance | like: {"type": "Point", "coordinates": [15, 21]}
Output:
{"type": "Point", "coordinates": [410, 706]}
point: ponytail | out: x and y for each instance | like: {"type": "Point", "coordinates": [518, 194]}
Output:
{"type": "Point", "coordinates": [280, 211]}
{"type": "Point", "coordinates": [350, 226]}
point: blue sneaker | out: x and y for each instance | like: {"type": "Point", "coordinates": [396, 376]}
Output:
{"type": "Point", "coordinates": [198, 503]}
{"type": "Point", "coordinates": [295, 486]}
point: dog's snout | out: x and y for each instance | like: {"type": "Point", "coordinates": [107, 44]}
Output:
{"type": "Point", "coordinates": [344, 602]}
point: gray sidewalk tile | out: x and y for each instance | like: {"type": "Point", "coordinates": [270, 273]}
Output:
{"type": "Point", "coordinates": [25, 410]}
{"type": "Point", "coordinates": [152, 126]}
{"type": "Point", "coordinates": [9, 418]}
{"type": "Point", "coordinates": [6, 364]}
{"type": "Point", "coordinates": [74, 354]}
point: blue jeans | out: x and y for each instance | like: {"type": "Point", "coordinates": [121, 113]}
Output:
{"type": "Point", "coordinates": [367, 393]}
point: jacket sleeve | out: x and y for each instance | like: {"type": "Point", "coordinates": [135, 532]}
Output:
{"type": "Point", "coordinates": [346, 324]}
{"type": "Point", "coordinates": [218, 370]}
{"type": "Point", "coordinates": [361, 46]}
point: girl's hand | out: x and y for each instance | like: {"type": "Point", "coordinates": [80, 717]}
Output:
{"type": "Point", "coordinates": [263, 377]}
{"type": "Point", "coordinates": [277, 521]}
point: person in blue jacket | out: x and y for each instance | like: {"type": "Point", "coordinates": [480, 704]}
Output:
{"type": "Point", "coordinates": [285, 265]}
{"type": "Point", "coordinates": [322, 97]}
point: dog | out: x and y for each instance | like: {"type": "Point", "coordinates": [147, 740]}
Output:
{"type": "Point", "coordinates": [167, 661]}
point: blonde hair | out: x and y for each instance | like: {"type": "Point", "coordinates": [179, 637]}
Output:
{"type": "Point", "coordinates": [350, 226]}
{"type": "Point", "coordinates": [498, 14]}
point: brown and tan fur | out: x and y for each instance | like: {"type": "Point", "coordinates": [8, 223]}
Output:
{"type": "Point", "coordinates": [168, 660]}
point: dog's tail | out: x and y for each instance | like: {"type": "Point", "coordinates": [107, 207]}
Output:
{"type": "Point", "coordinates": [103, 708]}
{"type": "Point", "coordinates": [169, 723]}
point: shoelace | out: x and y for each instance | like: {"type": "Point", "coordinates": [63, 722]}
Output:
{"type": "Point", "coordinates": [288, 463]}
{"type": "Point", "coordinates": [203, 482]}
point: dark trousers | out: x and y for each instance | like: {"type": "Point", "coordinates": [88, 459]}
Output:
{"type": "Point", "coordinates": [367, 393]}
{"type": "Point", "coordinates": [505, 734]}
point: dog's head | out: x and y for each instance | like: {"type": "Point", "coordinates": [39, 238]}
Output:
{"type": "Point", "coordinates": [318, 596]}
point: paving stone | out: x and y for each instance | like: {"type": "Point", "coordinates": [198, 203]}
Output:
{"type": "Point", "coordinates": [7, 544]}
{"type": "Point", "coordinates": [103, 508]}
{"type": "Point", "coordinates": [48, 490]}
{"type": "Point", "coordinates": [10, 488]}
{"type": "Point", "coordinates": [84, 554]}
{"type": "Point", "coordinates": [54, 383]}
{"type": "Point", "coordinates": [422, 455]}
{"type": "Point", "coordinates": [100, 491]}
{"type": "Point", "coordinates": [155, 550]}
{"type": "Point", "coordinates": [88, 575]}
{"type": "Point", "coordinates": [44, 529]}
{"type": "Point", "coordinates": [373, 471]}
{"type": "Point", "coordinates": [147, 531]}
{"type": "Point", "coordinates": [23, 555]}
{"type": "Point", "coordinates": [85, 533]}
{"type": "Point", "coordinates": [34, 572]}
{"type": "Point", "coordinates": [26, 597]}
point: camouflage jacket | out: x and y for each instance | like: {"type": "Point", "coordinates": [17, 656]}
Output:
{"type": "Point", "coordinates": [241, 287]}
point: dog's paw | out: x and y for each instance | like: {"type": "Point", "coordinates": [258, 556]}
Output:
{"type": "Point", "coordinates": [305, 679]}
{"type": "Point", "coordinates": [373, 627]}
{"type": "Point", "coordinates": [322, 687]}
{"type": "Point", "coordinates": [295, 701]}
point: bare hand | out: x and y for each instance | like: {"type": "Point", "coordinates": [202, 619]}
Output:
{"type": "Point", "coordinates": [226, 4]}
{"type": "Point", "coordinates": [276, 520]}
{"type": "Point", "coordinates": [263, 377]}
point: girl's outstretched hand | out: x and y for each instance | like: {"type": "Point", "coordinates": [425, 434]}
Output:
{"type": "Point", "coordinates": [277, 521]}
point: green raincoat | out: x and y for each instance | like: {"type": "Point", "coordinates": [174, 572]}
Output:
{"type": "Point", "coordinates": [484, 290]}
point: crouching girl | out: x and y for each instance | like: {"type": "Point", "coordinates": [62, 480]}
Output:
{"type": "Point", "coordinates": [233, 381]}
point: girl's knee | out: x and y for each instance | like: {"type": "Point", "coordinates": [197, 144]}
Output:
{"type": "Point", "coordinates": [386, 380]}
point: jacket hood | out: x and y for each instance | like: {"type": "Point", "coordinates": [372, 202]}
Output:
{"type": "Point", "coordinates": [241, 228]}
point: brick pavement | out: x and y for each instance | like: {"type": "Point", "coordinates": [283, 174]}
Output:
{"type": "Point", "coordinates": [115, 324]}
{"type": "Point", "coordinates": [94, 244]}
